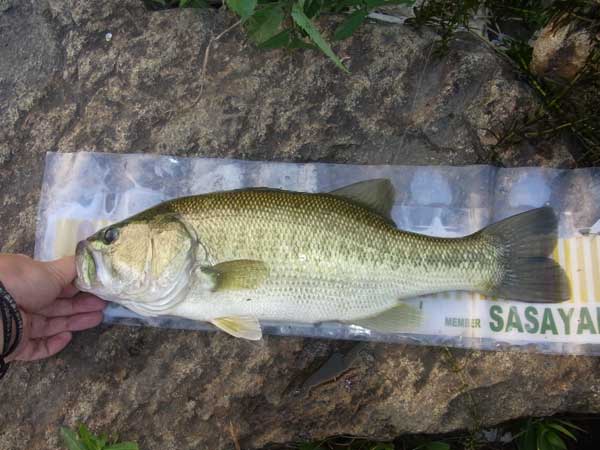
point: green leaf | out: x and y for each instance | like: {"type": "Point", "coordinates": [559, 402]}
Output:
{"type": "Point", "coordinates": [437, 445]}
{"type": "Point", "coordinates": [570, 425]}
{"type": "Point", "coordinates": [339, 6]}
{"type": "Point", "coordinates": [264, 24]}
{"type": "Point", "coordinates": [296, 42]}
{"type": "Point", "coordinates": [123, 446]}
{"type": "Point", "coordinates": [101, 440]}
{"type": "Point", "coordinates": [562, 430]}
{"type": "Point", "coordinates": [243, 8]}
{"type": "Point", "coordinates": [88, 440]}
{"type": "Point", "coordinates": [527, 440]}
{"type": "Point", "coordinates": [312, 8]}
{"type": "Point", "coordinates": [278, 41]}
{"type": "Point", "coordinates": [286, 39]}
{"type": "Point", "coordinates": [542, 443]}
{"type": "Point", "coordinates": [304, 23]}
{"type": "Point", "coordinates": [555, 440]}
{"type": "Point", "coordinates": [349, 25]}
{"type": "Point", "coordinates": [193, 4]}
{"type": "Point", "coordinates": [377, 3]}
{"type": "Point", "coordinates": [383, 446]}
{"type": "Point", "coordinates": [71, 440]}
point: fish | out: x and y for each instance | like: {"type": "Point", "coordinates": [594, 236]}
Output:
{"type": "Point", "coordinates": [241, 257]}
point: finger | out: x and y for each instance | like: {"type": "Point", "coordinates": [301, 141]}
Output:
{"type": "Point", "coordinates": [68, 291]}
{"type": "Point", "coordinates": [43, 326]}
{"type": "Point", "coordinates": [81, 303]}
{"type": "Point", "coordinates": [43, 348]}
{"type": "Point", "coordinates": [62, 270]}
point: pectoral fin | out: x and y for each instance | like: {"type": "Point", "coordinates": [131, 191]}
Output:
{"type": "Point", "coordinates": [403, 317]}
{"type": "Point", "coordinates": [237, 274]}
{"type": "Point", "coordinates": [377, 195]}
{"type": "Point", "coordinates": [245, 327]}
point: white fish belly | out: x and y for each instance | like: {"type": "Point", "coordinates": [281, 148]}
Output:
{"type": "Point", "coordinates": [304, 302]}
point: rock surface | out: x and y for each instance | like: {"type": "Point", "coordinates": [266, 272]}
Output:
{"type": "Point", "coordinates": [561, 52]}
{"type": "Point", "coordinates": [107, 75]}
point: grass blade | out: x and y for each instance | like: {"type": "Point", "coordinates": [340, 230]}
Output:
{"type": "Point", "coordinates": [562, 429]}
{"type": "Point", "coordinates": [437, 445]}
{"type": "Point", "coordinates": [570, 425]}
{"type": "Point", "coordinates": [527, 440]}
{"type": "Point", "coordinates": [86, 437]}
{"type": "Point", "coordinates": [555, 440]}
{"type": "Point", "coordinates": [304, 22]}
{"type": "Point", "coordinates": [123, 446]}
{"type": "Point", "coordinates": [70, 439]}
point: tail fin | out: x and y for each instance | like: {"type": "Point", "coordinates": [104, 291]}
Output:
{"type": "Point", "coordinates": [526, 242]}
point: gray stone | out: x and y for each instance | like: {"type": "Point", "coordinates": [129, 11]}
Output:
{"type": "Point", "coordinates": [64, 86]}
{"type": "Point", "coordinates": [561, 52]}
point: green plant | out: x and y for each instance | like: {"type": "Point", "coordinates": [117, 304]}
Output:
{"type": "Point", "coordinates": [83, 439]}
{"type": "Point", "coordinates": [509, 28]}
{"type": "Point", "coordinates": [433, 445]}
{"type": "Point", "coordinates": [292, 24]}
{"type": "Point", "coordinates": [347, 443]}
{"type": "Point", "coordinates": [447, 17]}
{"type": "Point", "coordinates": [545, 434]}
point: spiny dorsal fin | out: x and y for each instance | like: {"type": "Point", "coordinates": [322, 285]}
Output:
{"type": "Point", "coordinates": [246, 327]}
{"type": "Point", "coordinates": [237, 274]}
{"type": "Point", "coordinates": [377, 195]}
{"type": "Point", "coordinates": [398, 319]}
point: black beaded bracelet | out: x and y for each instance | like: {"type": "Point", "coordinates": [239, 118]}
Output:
{"type": "Point", "coordinates": [9, 312]}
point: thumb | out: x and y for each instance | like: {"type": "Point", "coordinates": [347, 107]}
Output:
{"type": "Point", "coordinates": [62, 271]}
{"type": "Point", "coordinates": [35, 284]}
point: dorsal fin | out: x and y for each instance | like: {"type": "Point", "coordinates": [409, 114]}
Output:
{"type": "Point", "coordinates": [377, 195]}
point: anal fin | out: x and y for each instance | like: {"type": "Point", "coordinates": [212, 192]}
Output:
{"type": "Point", "coordinates": [400, 318]}
{"type": "Point", "coordinates": [246, 327]}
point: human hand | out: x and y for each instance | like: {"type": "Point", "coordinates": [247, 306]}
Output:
{"type": "Point", "coordinates": [51, 307]}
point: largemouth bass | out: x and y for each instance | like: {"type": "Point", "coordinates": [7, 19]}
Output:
{"type": "Point", "coordinates": [238, 257]}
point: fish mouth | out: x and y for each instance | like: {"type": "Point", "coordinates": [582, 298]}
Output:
{"type": "Point", "coordinates": [86, 267]}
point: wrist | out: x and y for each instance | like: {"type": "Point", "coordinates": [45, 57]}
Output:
{"type": "Point", "coordinates": [12, 327]}
{"type": "Point", "coordinates": [11, 273]}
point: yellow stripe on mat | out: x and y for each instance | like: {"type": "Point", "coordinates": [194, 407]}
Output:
{"type": "Point", "coordinates": [595, 275]}
{"type": "Point", "coordinates": [568, 266]}
{"type": "Point", "coordinates": [580, 257]}
{"type": "Point", "coordinates": [562, 260]}
{"type": "Point", "coordinates": [585, 269]}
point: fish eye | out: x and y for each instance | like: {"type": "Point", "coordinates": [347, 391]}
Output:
{"type": "Point", "coordinates": [110, 235]}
